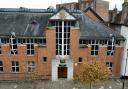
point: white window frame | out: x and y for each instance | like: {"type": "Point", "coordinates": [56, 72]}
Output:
{"type": "Point", "coordinates": [1, 66]}
{"type": "Point", "coordinates": [15, 66]}
{"type": "Point", "coordinates": [62, 45]}
{"type": "Point", "coordinates": [111, 52]}
{"type": "Point", "coordinates": [13, 50]}
{"type": "Point", "coordinates": [94, 43]}
{"type": "Point", "coordinates": [30, 49]}
{"type": "Point", "coordinates": [31, 65]}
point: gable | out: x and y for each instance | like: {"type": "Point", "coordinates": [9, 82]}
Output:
{"type": "Point", "coordinates": [62, 15]}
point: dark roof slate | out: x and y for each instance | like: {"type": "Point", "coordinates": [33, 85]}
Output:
{"type": "Point", "coordinates": [95, 30]}
{"type": "Point", "coordinates": [33, 24]}
{"type": "Point", "coordinates": [21, 23]}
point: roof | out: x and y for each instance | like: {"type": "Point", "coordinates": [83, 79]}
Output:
{"type": "Point", "coordinates": [95, 30]}
{"type": "Point", "coordinates": [118, 18]}
{"type": "Point", "coordinates": [23, 23]}
{"type": "Point", "coordinates": [33, 23]}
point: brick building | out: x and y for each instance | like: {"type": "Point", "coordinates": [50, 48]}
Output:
{"type": "Point", "coordinates": [53, 43]}
{"type": "Point", "coordinates": [101, 7]}
{"type": "Point", "coordinates": [118, 21]}
{"type": "Point", "coordinates": [72, 6]}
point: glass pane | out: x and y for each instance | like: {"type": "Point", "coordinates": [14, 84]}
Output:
{"type": "Point", "coordinates": [17, 63]}
{"type": "Point", "coordinates": [32, 51]}
{"type": "Point", "coordinates": [17, 69]}
{"type": "Point", "coordinates": [96, 47]}
{"type": "Point", "coordinates": [28, 46]}
{"type": "Point", "coordinates": [1, 69]}
{"type": "Point", "coordinates": [13, 69]}
{"type": "Point", "coordinates": [1, 63]}
{"type": "Point", "coordinates": [28, 51]}
{"type": "Point", "coordinates": [93, 47]}
{"type": "Point", "coordinates": [32, 46]}
{"type": "Point", "coordinates": [13, 63]}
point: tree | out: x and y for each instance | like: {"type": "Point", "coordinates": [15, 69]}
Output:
{"type": "Point", "coordinates": [92, 71]}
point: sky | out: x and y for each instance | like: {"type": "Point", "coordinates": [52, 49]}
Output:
{"type": "Point", "coordinates": [43, 4]}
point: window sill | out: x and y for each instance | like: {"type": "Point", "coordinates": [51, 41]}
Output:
{"type": "Point", "coordinates": [94, 55]}
{"type": "Point", "coordinates": [44, 62]}
{"type": "Point", "coordinates": [1, 72]}
{"type": "Point", "coordinates": [15, 72]}
{"type": "Point", "coordinates": [41, 46]}
{"type": "Point", "coordinates": [14, 54]}
{"type": "Point", "coordinates": [30, 55]}
{"type": "Point", "coordinates": [30, 72]}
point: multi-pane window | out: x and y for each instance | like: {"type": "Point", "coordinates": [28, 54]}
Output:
{"type": "Point", "coordinates": [15, 66]}
{"type": "Point", "coordinates": [30, 47]}
{"type": "Point", "coordinates": [118, 42]}
{"type": "Point", "coordinates": [5, 40]}
{"type": "Point", "coordinates": [94, 47]}
{"type": "Point", "coordinates": [13, 44]}
{"type": "Point", "coordinates": [83, 41]}
{"type": "Point", "coordinates": [1, 66]}
{"type": "Point", "coordinates": [30, 66]}
{"type": "Point", "coordinates": [109, 65]}
{"type": "Point", "coordinates": [32, 40]}
{"type": "Point", "coordinates": [111, 47]}
{"type": "Point", "coordinates": [63, 36]}
{"type": "Point", "coordinates": [103, 42]}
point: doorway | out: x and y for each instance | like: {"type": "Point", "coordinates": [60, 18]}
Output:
{"type": "Point", "coordinates": [62, 72]}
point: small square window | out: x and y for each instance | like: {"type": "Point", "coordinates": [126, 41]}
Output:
{"type": "Point", "coordinates": [109, 65]}
{"type": "Point", "coordinates": [80, 59]}
{"type": "Point", "coordinates": [44, 59]}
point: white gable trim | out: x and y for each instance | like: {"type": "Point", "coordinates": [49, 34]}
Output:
{"type": "Point", "coordinates": [63, 15]}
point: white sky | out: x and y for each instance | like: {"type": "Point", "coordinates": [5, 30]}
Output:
{"type": "Point", "coordinates": [45, 3]}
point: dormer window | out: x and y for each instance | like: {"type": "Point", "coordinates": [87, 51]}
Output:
{"type": "Point", "coordinates": [34, 22]}
{"type": "Point", "coordinates": [13, 44]}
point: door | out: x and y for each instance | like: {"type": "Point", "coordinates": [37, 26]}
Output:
{"type": "Point", "coordinates": [62, 72]}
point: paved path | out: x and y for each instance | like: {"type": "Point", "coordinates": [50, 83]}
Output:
{"type": "Point", "coordinates": [61, 84]}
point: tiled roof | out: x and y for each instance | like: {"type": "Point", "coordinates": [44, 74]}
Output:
{"type": "Point", "coordinates": [22, 23]}
{"type": "Point", "coordinates": [95, 30]}
{"type": "Point", "coordinates": [32, 23]}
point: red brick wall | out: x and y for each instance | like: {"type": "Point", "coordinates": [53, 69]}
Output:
{"type": "Point", "coordinates": [85, 53]}
{"type": "Point", "coordinates": [49, 51]}
{"type": "Point", "coordinates": [43, 69]}
{"type": "Point", "coordinates": [92, 16]}
{"type": "Point", "coordinates": [102, 8]}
